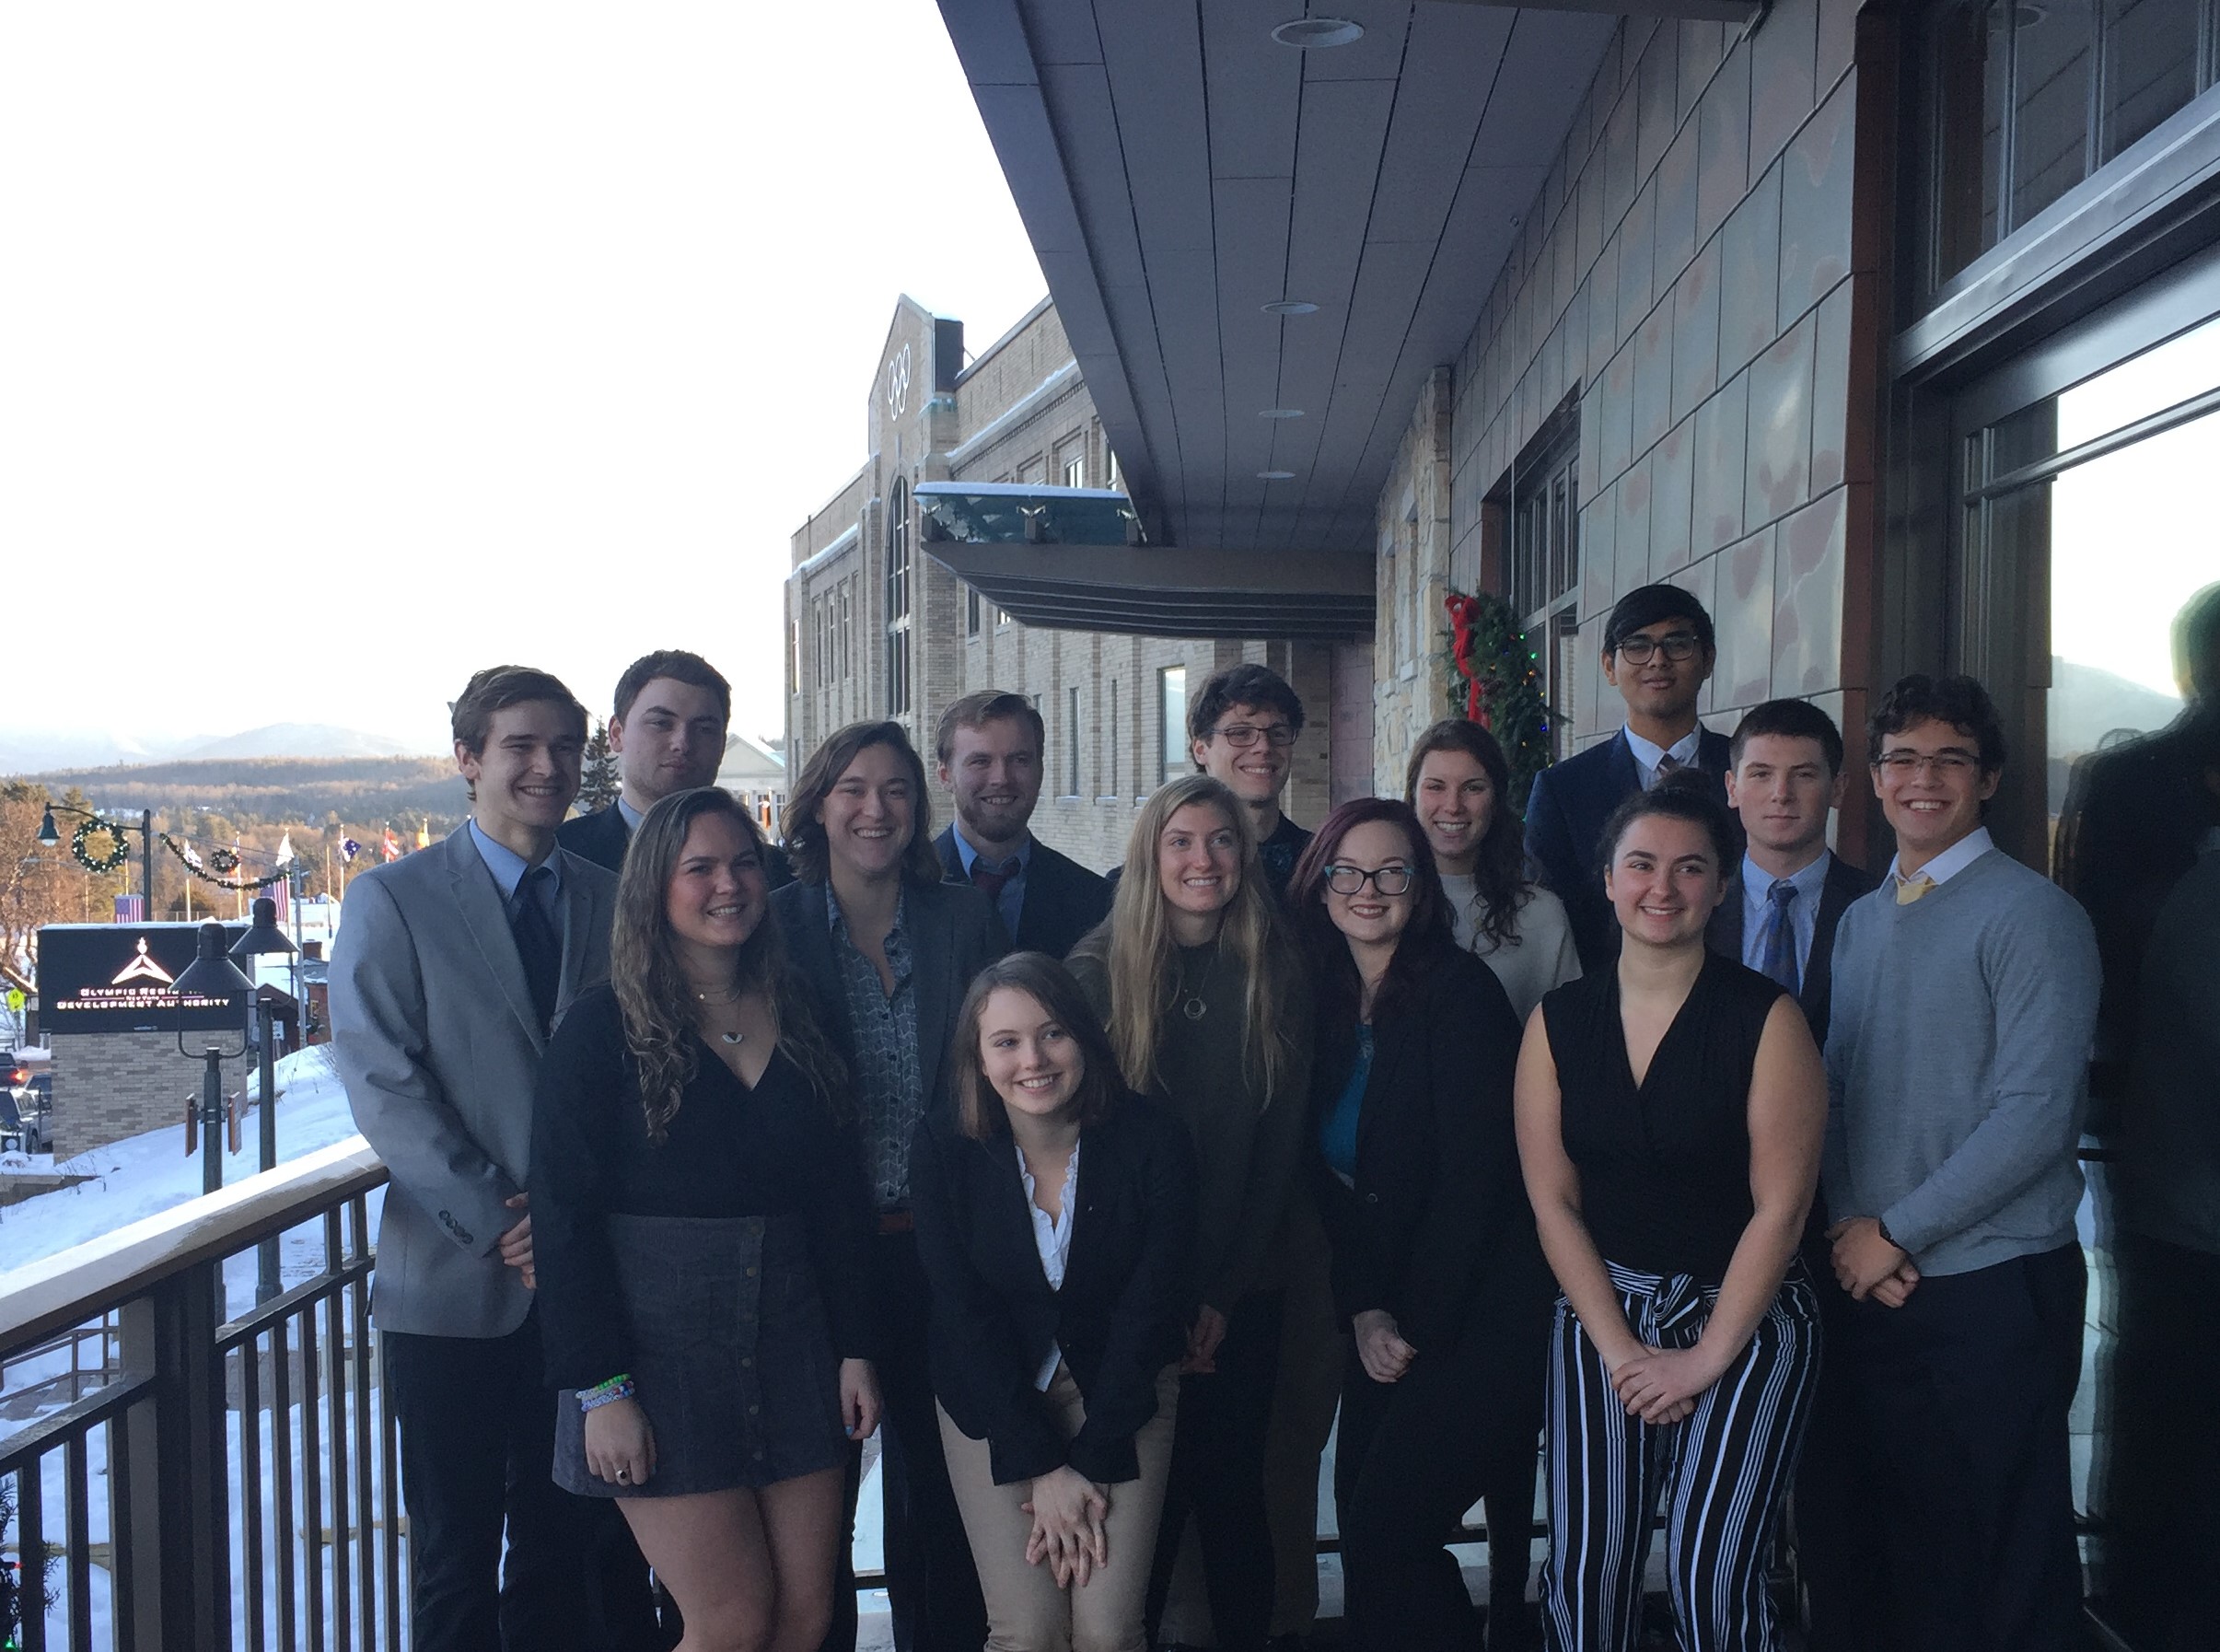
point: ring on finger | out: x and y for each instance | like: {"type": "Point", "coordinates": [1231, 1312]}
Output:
{"type": "Point", "coordinates": [624, 1475]}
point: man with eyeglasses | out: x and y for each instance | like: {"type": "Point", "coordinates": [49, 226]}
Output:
{"type": "Point", "coordinates": [1964, 1007]}
{"type": "Point", "coordinates": [1241, 730]}
{"type": "Point", "coordinates": [1658, 653]}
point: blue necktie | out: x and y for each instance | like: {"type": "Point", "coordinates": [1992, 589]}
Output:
{"type": "Point", "coordinates": [1777, 935]}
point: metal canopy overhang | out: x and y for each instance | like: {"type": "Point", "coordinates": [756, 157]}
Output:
{"type": "Point", "coordinates": [1313, 596]}
{"type": "Point", "coordinates": [1177, 170]}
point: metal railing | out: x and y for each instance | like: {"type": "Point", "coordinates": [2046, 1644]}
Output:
{"type": "Point", "coordinates": [225, 1473]}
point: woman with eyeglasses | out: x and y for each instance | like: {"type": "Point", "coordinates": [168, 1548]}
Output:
{"type": "Point", "coordinates": [1056, 1219]}
{"type": "Point", "coordinates": [1458, 783]}
{"type": "Point", "coordinates": [1670, 1112]}
{"type": "Point", "coordinates": [1204, 1002]}
{"type": "Point", "coordinates": [701, 1223]}
{"type": "Point", "coordinates": [1435, 1267]}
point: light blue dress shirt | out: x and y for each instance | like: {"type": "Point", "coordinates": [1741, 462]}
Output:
{"type": "Point", "coordinates": [509, 868]}
{"type": "Point", "coordinates": [1648, 752]}
{"type": "Point", "coordinates": [1011, 900]}
{"type": "Point", "coordinates": [1757, 895]}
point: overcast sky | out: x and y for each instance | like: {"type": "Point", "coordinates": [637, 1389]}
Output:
{"type": "Point", "coordinates": [411, 337]}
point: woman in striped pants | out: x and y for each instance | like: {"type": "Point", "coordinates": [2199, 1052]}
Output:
{"type": "Point", "coordinates": [1670, 1118]}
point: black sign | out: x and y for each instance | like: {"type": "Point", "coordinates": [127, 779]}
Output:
{"type": "Point", "coordinates": [121, 978]}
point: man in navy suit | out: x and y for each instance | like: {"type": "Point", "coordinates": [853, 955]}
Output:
{"type": "Point", "coordinates": [672, 714]}
{"type": "Point", "coordinates": [990, 748]}
{"type": "Point", "coordinates": [1785, 779]}
{"type": "Point", "coordinates": [1657, 652]}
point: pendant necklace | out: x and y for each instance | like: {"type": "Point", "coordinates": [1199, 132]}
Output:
{"type": "Point", "coordinates": [1195, 1009]}
{"type": "Point", "coordinates": [733, 996]}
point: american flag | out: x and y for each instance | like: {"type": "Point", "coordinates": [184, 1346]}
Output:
{"type": "Point", "coordinates": [281, 892]}
{"type": "Point", "coordinates": [391, 845]}
{"type": "Point", "coordinates": [131, 909]}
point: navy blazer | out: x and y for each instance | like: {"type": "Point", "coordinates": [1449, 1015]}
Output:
{"type": "Point", "coordinates": [1844, 884]}
{"type": "Point", "coordinates": [1566, 815]}
{"type": "Point", "coordinates": [953, 935]}
{"type": "Point", "coordinates": [1437, 1229]}
{"type": "Point", "coordinates": [602, 837]}
{"type": "Point", "coordinates": [1062, 899]}
{"type": "Point", "coordinates": [1119, 1320]}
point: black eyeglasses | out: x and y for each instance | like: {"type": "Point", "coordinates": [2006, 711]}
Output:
{"type": "Point", "coordinates": [1351, 880]}
{"type": "Point", "coordinates": [1678, 646]}
{"type": "Point", "coordinates": [1247, 734]}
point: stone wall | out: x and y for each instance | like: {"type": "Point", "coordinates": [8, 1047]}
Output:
{"type": "Point", "coordinates": [1690, 268]}
{"type": "Point", "coordinates": [1415, 539]}
{"type": "Point", "coordinates": [111, 1085]}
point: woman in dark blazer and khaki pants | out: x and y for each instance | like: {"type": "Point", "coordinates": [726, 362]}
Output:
{"type": "Point", "coordinates": [1437, 1268]}
{"type": "Point", "coordinates": [1056, 1219]}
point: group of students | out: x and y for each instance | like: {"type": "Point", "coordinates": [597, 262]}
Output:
{"type": "Point", "coordinates": [1098, 1198]}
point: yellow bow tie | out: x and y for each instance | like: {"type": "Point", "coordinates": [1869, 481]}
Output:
{"type": "Point", "coordinates": [1909, 889]}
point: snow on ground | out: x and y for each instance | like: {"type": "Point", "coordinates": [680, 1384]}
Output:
{"type": "Point", "coordinates": [143, 1175]}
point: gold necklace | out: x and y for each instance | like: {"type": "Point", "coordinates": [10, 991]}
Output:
{"type": "Point", "coordinates": [730, 998]}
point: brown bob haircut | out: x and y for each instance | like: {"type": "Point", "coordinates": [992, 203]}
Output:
{"type": "Point", "coordinates": [975, 711]}
{"type": "Point", "coordinates": [979, 1114]}
{"type": "Point", "coordinates": [499, 687]}
{"type": "Point", "coordinates": [806, 842]}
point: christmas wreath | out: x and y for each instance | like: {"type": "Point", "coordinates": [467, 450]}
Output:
{"type": "Point", "coordinates": [81, 847]}
{"type": "Point", "coordinates": [1495, 672]}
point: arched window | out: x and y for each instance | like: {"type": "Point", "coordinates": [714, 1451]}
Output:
{"type": "Point", "coordinates": [898, 600]}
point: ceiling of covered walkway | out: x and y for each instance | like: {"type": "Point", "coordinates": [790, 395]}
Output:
{"type": "Point", "coordinates": [1181, 170]}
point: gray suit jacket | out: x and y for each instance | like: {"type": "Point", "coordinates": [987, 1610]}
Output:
{"type": "Point", "coordinates": [435, 1036]}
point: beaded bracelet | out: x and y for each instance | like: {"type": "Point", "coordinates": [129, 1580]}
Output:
{"type": "Point", "coordinates": [616, 1388]}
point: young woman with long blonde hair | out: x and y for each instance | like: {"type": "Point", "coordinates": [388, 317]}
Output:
{"type": "Point", "coordinates": [1205, 999]}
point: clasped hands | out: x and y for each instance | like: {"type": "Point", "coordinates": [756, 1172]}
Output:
{"type": "Point", "coordinates": [1866, 1265]}
{"type": "Point", "coordinates": [1203, 1338]}
{"type": "Point", "coordinates": [1070, 1515]}
{"type": "Point", "coordinates": [1662, 1385]}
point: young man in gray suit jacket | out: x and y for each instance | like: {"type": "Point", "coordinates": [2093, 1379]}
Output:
{"type": "Point", "coordinates": [452, 969]}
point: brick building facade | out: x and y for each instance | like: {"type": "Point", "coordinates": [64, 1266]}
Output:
{"type": "Point", "coordinates": [877, 628]}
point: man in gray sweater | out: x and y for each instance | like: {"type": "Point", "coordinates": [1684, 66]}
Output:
{"type": "Point", "coordinates": [1965, 1002]}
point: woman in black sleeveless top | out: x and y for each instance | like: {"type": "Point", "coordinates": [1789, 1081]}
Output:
{"type": "Point", "coordinates": [1670, 1118]}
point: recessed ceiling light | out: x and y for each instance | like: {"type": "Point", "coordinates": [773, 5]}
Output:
{"type": "Point", "coordinates": [1308, 33]}
{"type": "Point", "coordinates": [1280, 413]}
{"type": "Point", "coordinates": [1275, 475]}
{"type": "Point", "coordinates": [1291, 307]}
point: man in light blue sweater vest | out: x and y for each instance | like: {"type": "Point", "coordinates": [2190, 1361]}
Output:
{"type": "Point", "coordinates": [1965, 1003]}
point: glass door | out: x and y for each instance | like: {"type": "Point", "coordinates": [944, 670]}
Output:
{"type": "Point", "coordinates": [2088, 600]}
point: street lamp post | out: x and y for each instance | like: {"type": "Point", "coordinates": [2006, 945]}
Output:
{"type": "Point", "coordinates": [49, 836]}
{"type": "Point", "coordinates": [213, 975]}
{"type": "Point", "coordinates": [264, 936]}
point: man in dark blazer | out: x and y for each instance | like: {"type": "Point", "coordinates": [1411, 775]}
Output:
{"type": "Point", "coordinates": [990, 746]}
{"type": "Point", "coordinates": [1657, 652]}
{"type": "Point", "coordinates": [673, 713]}
{"type": "Point", "coordinates": [451, 970]}
{"type": "Point", "coordinates": [1780, 919]}
{"type": "Point", "coordinates": [1784, 780]}
{"type": "Point", "coordinates": [888, 950]}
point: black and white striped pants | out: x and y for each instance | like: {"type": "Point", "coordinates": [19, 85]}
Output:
{"type": "Point", "coordinates": [1723, 1472]}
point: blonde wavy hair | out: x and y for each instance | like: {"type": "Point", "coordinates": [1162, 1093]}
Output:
{"type": "Point", "coordinates": [1135, 946]}
{"type": "Point", "coordinates": [659, 1006]}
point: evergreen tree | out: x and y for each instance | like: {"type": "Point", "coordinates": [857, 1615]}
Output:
{"type": "Point", "coordinates": [598, 787]}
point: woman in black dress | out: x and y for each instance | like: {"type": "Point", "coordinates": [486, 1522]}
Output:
{"type": "Point", "coordinates": [1669, 1117]}
{"type": "Point", "coordinates": [700, 1222]}
{"type": "Point", "coordinates": [1435, 1268]}
{"type": "Point", "coordinates": [1056, 1220]}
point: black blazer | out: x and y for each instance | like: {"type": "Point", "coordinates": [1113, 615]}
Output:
{"type": "Point", "coordinates": [1566, 815]}
{"type": "Point", "coordinates": [1437, 1229]}
{"type": "Point", "coordinates": [1120, 1319]}
{"type": "Point", "coordinates": [1062, 899]}
{"type": "Point", "coordinates": [602, 837]}
{"type": "Point", "coordinates": [1844, 884]}
{"type": "Point", "coordinates": [953, 934]}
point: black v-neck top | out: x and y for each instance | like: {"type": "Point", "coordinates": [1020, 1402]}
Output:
{"type": "Point", "coordinates": [1664, 1165]}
